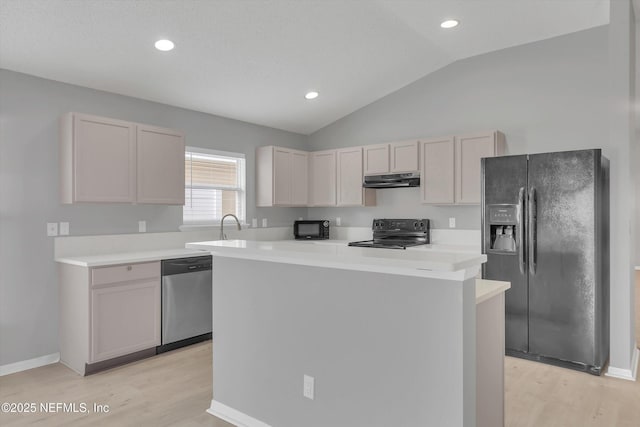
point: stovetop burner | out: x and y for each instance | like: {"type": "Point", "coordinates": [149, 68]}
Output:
{"type": "Point", "coordinates": [396, 234]}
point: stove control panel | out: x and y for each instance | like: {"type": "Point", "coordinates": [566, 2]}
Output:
{"type": "Point", "coordinates": [400, 225]}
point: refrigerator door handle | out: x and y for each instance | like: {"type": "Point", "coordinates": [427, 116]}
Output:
{"type": "Point", "coordinates": [521, 253]}
{"type": "Point", "coordinates": [533, 223]}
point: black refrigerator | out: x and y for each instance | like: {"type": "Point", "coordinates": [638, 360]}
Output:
{"type": "Point", "coordinates": [545, 229]}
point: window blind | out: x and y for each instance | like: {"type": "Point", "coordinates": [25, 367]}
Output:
{"type": "Point", "coordinates": [214, 186]}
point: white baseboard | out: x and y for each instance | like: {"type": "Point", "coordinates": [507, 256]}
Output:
{"type": "Point", "coordinates": [23, 365]}
{"type": "Point", "coordinates": [626, 374]}
{"type": "Point", "coordinates": [234, 416]}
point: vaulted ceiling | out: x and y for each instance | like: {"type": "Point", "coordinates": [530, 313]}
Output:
{"type": "Point", "coordinates": [254, 60]}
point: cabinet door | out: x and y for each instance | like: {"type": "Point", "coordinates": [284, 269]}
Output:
{"type": "Point", "coordinates": [437, 172]}
{"type": "Point", "coordinates": [104, 165]}
{"type": "Point", "coordinates": [376, 159]}
{"type": "Point", "coordinates": [350, 192]}
{"type": "Point", "coordinates": [124, 319]}
{"type": "Point", "coordinates": [160, 160]}
{"type": "Point", "coordinates": [323, 178]}
{"type": "Point", "coordinates": [281, 176]}
{"type": "Point", "coordinates": [469, 150]}
{"type": "Point", "coordinates": [299, 178]}
{"type": "Point", "coordinates": [403, 156]}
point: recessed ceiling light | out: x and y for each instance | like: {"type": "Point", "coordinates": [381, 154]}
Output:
{"type": "Point", "coordinates": [450, 23]}
{"type": "Point", "coordinates": [311, 95]}
{"type": "Point", "coordinates": [164, 45]}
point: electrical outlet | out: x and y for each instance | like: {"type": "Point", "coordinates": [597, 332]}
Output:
{"type": "Point", "coordinates": [142, 226]}
{"type": "Point", "coordinates": [254, 222]}
{"type": "Point", "coordinates": [308, 387]}
{"type": "Point", "coordinates": [452, 222]}
{"type": "Point", "coordinates": [52, 229]}
{"type": "Point", "coordinates": [264, 222]}
{"type": "Point", "coordinates": [338, 221]}
{"type": "Point", "coordinates": [64, 228]}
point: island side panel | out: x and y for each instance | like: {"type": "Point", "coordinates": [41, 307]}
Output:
{"type": "Point", "coordinates": [490, 362]}
{"type": "Point", "coordinates": [383, 349]}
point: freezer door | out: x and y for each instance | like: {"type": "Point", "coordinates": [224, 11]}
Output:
{"type": "Point", "coordinates": [502, 181]}
{"type": "Point", "coordinates": [562, 255]}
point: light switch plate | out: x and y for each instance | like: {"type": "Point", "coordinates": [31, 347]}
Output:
{"type": "Point", "coordinates": [254, 222]}
{"type": "Point", "coordinates": [264, 222]}
{"type": "Point", "coordinates": [64, 228]}
{"type": "Point", "coordinates": [452, 222]}
{"type": "Point", "coordinates": [308, 387]}
{"type": "Point", "coordinates": [142, 226]}
{"type": "Point", "coordinates": [52, 229]}
{"type": "Point", "coordinates": [338, 221]}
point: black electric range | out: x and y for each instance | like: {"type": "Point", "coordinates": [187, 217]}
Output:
{"type": "Point", "coordinates": [396, 234]}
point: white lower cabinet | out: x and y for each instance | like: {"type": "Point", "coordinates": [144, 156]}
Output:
{"type": "Point", "coordinates": [125, 318]}
{"type": "Point", "coordinates": [108, 313]}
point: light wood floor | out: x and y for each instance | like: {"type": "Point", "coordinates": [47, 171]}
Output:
{"type": "Point", "coordinates": [174, 389]}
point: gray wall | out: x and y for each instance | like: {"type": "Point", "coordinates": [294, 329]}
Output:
{"type": "Point", "coordinates": [636, 153]}
{"type": "Point", "coordinates": [29, 112]}
{"type": "Point", "coordinates": [565, 93]}
{"type": "Point", "coordinates": [621, 75]}
{"type": "Point", "coordinates": [544, 96]}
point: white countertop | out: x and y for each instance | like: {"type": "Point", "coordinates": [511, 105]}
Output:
{"type": "Point", "coordinates": [417, 261]}
{"type": "Point", "coordinates": [130, 257]}
{"type": "Point", "coordinates": [487, 289]}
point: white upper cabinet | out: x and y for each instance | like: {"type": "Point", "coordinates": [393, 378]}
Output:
{"type": "Point", "coordinates": [281, 177]}
{"type": "Point", "coordinates": [160, 166]}
{"type": "Point", "coordinates": [300, 178]}
{"type": "Point", "coordinates": [104, 160]}
{"type": "Point", "coordinates": [322, 182]}
{"type": "Point", "coordinates": [376, 159]}
{"type": "Point", "coordinates": [437, 178]}
{"type": "Point", "coordinates": [394, 157]}
{"type": "Point", "coordinates": [450, 172]}
{"type": "Point", "coordinates": [97, 159]}
{"type": "Point", "coordinates": [403, 156]}
{"type": "Point", "coordinates": [469, 150]}
{"type": "Point", "coordinates": [350, 176]}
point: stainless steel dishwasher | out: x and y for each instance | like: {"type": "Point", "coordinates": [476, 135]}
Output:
{"type": "Point", "coordinates": [186, 302]}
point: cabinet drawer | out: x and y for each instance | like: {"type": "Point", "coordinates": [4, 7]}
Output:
{"type": "Point", "coordinates": [124, 273]}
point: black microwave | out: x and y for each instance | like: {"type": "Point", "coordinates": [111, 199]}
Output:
{"type": "Point", "coordinates": [311, 230]}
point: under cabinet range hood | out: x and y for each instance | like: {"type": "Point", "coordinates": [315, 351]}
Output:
{"type": "Point", "coordinates": [394, 180]}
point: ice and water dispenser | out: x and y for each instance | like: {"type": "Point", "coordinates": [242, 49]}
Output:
{"type": "Point", "coordinates": [503, 227]}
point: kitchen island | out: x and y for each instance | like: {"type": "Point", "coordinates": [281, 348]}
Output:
{"type": "Point", "coordinates": [387, 336]}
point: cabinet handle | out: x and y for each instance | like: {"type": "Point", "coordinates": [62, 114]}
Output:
{"type": "Point", "coordinates": [129, 268]}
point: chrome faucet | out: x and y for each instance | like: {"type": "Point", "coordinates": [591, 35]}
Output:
{"type": "Point", "coordinates": [222, 235]}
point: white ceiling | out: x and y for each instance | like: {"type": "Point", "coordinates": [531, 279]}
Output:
{"type": "Point", "coordinates": [254, 60]}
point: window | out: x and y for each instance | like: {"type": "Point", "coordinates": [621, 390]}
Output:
{"type": "Point", "coordinates": [214, 186]}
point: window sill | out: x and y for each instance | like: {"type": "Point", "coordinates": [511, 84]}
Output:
{"type": "Point", "coordinates": [216, 226]}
